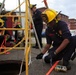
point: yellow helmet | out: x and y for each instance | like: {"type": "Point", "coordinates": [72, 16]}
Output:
{"type": "Point", "coordinates": [48, 15]}
{"type": "Point", "coordinates": [31, 5]}
{"type": "Point", "coordinates": [1, 23]}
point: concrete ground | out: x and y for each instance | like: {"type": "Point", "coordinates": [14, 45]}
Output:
{"type": "Point", "coordinates": [37, 67]}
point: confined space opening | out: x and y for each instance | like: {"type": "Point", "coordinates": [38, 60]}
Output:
{"type": "Point", "coordinates": [11, 67]}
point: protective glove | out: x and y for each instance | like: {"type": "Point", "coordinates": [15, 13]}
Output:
{"type": "Point", "coordinates": [39, 56]}
{"type": "Point", "coordinates": [52, 55]}
{"type": "Point", "coordinates": [48, 59]}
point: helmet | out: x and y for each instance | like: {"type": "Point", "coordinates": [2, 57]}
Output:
{"type": "Point", "coordinates": [1, 23]}
{"type": "Point", "coordinates": [48, 15]}
{"type": "Point", "coordinates": [31, 5]}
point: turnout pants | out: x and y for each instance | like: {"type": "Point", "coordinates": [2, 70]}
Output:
{"type": "Point", "coordinates": [65, 53]}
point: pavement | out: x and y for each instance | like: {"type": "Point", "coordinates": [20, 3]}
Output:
{"type": "Point", "coordinates": [37, 67]}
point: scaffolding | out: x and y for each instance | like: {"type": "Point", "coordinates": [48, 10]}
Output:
{"type": "Point", "coordinates": [27, 33]}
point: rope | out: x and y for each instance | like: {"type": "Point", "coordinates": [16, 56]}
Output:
{"type": "Point", "coordinates": [21, 66]}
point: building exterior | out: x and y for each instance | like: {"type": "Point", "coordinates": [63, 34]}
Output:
{"type": "Point", "coordinates": [72, 24]}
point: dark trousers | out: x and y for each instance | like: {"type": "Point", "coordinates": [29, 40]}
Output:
{"type": "Point", "coordinates": [65, 53]}
{"type": "Point", "coordinates": [39, 31]}
{"type": "Point", "coordinates": [1, 39]}
{"type": "Point", "coordinates": [16, 35]}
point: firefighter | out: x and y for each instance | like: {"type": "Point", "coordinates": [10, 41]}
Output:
{"type": "Point", "coordinates": [38, 24]}
{"type": "Point", "coordinates": [16, 24]}
{"type": "Point", "coordinates": [3, 12]}
{"type": "Point", "coordinates": [4, 37]}
{"type": "Point", "coordinates": [1, 37]}
{"type": "Point", "coordinates": [60, 44]}
{"type": "Point", "coordinates": [3, 33]}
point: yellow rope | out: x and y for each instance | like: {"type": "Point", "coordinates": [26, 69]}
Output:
{"type": "Point", "coordinates": [12, 28]}
{"type": "Point", "coordinates": [12, 47]}
{"type": "Point", "coordinates": [11, 15]}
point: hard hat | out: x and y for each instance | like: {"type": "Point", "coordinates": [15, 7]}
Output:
{"type": "Point", "coordinates": [32, 5]}
{"type": "Point", "coordinates": [48, 15]}
{"type": "Point", "coordinates": [1, 23]}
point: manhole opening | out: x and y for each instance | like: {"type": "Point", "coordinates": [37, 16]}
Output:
{"type": "Point", "coordinates": [11, 67]}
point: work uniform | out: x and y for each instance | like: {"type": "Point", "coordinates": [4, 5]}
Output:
{"type": "Point", "coordinates": [38, 23]}
{"type": "Point", "coordinates": [17, 25]}
{"type": "Point", "coordinates": [2, 36]}
{"type": "Point", "coordinates": [5, 19]}
{"type": "Point", "coordinates": [55, 36]}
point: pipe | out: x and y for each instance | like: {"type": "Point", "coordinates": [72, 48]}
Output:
{"type": "Point", "coordinates": [51, 69]}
